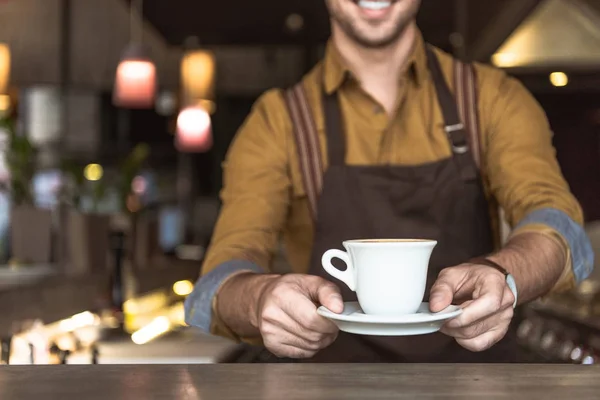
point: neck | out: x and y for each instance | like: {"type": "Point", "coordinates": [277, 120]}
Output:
{"type": "Point", "coordinates": [377, 69]}
{"type": "Point", "coordinates": [387, 61]}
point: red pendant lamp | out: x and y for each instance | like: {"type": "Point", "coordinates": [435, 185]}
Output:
{"type": "Point", "coordinates": [135, 82]}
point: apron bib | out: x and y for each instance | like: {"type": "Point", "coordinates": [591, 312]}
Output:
{"type": "Point", "coordinates": [442, 200]}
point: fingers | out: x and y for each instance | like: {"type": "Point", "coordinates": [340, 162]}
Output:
{"type": "Point", "coordinates": [281, 350]}
{"type": "Point", "coordinates": [489, 299]}
{"type": "Point", "coordinates": [282, 320]}
{"type": "Point", "coordinates": [478, 328]}
{"type": "Point", "coordinates": [304, 312]}
{"type": "Point", "coordinates": [322, 292]}
{"type": "Point", "coordinates": [487, 306]}
{"type": "Point", "coordinates": [487, 339]}
{"type": "Point", "coordinates": [285, 344]}
{"type": "Point", "coordinates": [484, 333]}
{"type": "Point", "coordinates": [329, 296]}
{"type": "Point", "coordinates": [289, 322]}
{"type": "Point", "coordinates": [445, 288]}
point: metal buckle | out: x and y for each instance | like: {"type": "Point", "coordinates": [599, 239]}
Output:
{"type": "Point", "coordinates": [454, 128]}
{"type": "Point", "coordinates": [460, 149]}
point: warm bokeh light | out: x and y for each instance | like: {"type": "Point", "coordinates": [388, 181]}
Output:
{"type": "Point", "coordinates": [93, 172]}
{"type": "Point", "coordinates": [133, 203]}
{"type": "Point", "coordinates": [145, 304]}
{"type": "Point", "coordinates": [5, 102]}
{"type": "Point", "coordinates": [505, 60]}
{"type": "Point", "coordinates": [156, 328]}
{"type": "Point", "coordinates": [78, 321]}
{"type": "Point", "coordinates": [197, 76]}
{"type": "Point", "coordinates": [139, 185]}
{"type": "Point", "coordinates": [194, 133]}
{"type": "Point", "coordinates": [4, 68]}
{"type": "Point", "coordinates": [135, 84]}
{"type": "Point", "coordinates": [559, 79]}
{"type": "Point", "coordinates": [183, 288]}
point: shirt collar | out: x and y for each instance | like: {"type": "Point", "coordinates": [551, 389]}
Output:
{"type": "Point", "coordinates": [336, 71]}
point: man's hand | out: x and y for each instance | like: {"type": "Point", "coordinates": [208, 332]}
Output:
{"type": "Point", "coordinates": [486, 300]}
{"type": "Point", "coordinates": [287, 317]}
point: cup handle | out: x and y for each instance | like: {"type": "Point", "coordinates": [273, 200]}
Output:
{"type": "Point", "coordinates": [346, 276]}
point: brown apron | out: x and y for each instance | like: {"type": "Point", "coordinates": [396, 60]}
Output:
{"type": "Point", "coordinates": [442, 200]}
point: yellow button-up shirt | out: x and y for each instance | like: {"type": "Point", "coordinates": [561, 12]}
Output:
{"type": "Point", "coordinates": [263, 195]}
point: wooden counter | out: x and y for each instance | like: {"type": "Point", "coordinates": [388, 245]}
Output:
{"type": "Point", "coordinates": [300, 382]}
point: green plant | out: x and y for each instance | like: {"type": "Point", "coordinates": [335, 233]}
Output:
{"type": "Point", "coordinates": [20, 160]}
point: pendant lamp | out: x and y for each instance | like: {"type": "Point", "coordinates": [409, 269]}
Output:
{"type": "Point", "coordinates": [197, 78]}
{"type": "Point", "coordinates": [4, 68]}
{"type": "Point", "coordinates": [194, 130]}
{"type": "Point", "coordinates": [135, 82]}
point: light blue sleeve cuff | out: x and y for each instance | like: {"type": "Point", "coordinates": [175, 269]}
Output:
{"type": "Point", "coordinates": [582, 254]}
{"type": "Point", "coordinates": [198, 305]}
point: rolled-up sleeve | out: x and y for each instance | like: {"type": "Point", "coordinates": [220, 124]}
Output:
{"type": "Point", "coordinates": [255, 199]}
{"type": "Point", "coordinates": [524, 175]}
{"type": "Point", "coordinates": [199, 305]}
{"type": "Point", "coordinates": [580, 248]}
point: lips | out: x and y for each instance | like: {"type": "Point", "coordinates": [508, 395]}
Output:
{"type": "Point", "coordinates": [374, 5]}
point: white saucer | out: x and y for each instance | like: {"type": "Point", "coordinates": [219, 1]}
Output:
{"type": "Point", "coordinates": [354, 320]}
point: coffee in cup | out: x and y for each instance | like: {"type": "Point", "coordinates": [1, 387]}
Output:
{"type": "Point", "coordinates": [388, 276]}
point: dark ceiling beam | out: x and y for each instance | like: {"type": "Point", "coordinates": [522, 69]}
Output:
{"type": "Point", "coordinates": [499, 29]}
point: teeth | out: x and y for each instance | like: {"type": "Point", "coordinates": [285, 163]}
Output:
{"type": "Point", "coordinates": [374, 5]}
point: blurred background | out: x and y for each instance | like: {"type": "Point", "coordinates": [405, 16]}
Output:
{"type": "Point", "coordinates": [117, 114]}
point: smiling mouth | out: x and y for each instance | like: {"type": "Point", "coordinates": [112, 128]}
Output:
{"type": "Point", "coordinates": [374, 5]}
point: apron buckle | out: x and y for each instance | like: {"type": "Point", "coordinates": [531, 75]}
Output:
{"type": "Point", "coordinates": [458, 148]}
{"type": "Point", "coordinates": [454, 128]}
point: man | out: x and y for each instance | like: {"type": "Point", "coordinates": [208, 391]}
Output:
{"type": "Point", "coordinates": [396, 163]}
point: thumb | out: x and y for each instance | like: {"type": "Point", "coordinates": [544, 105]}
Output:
{"type": "Point", "coordinates": [327, 294]}
{"type": "Point", "coordinates": [441, 294]}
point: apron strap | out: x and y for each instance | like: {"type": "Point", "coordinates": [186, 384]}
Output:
{"type": "Point", "coordinates": [307, 144]}
{"type": "Point", "coordinates": [334, 128]}
{"type": "Point", "coordinates": [463, 135]}
{"type": "Point", "coordinates": [454, 126]}
{"type": "Point", "coordinates": [465, 84]}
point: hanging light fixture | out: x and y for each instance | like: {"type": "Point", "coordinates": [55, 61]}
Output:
{"type": "Point", "coordinates": [4, 68]}
{"type": "Point", "coordinates": [197, 78]}
{"type": "Point", "coordinates": [135, 83]}
{"type": "Point", "coordinates": [194, 130]}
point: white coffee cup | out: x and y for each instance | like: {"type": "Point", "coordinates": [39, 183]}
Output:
{"type": "Point", "coordinates": [388, 276]}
